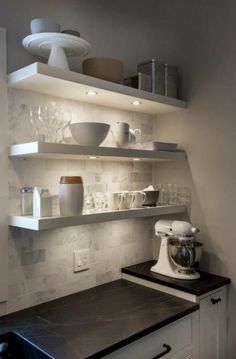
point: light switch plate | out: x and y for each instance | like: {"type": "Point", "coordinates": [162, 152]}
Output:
{"type": "Point", "coordinates": [81, 260]}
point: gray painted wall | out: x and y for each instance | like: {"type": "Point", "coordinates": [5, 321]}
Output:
{"type": "Point", "coordinates": [207, 130]}
{"type": "Point", "coordinates": [122, 29]}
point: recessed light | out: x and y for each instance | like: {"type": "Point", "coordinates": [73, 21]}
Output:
{"type": "Point", "coordinates": [93, 157]}
{"type": "Point", "coordinates": [136, 103]}
{"type": "Point", "coordinates": [136, 159]}
{"type": "Point", "coordinates": [91, 93]}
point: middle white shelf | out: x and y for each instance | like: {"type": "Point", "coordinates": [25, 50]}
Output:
{"type": "Point", "coordinates": [60, 151]}
{"type": "Point", "coordinates": [39, 224]}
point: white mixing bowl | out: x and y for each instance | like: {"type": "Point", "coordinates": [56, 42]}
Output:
{"type": "Point", "coordinates": [89, 133]}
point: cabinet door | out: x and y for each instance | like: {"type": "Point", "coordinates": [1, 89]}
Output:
{"type": "Point", "coordinates": [213, 326]}
{"type": "Point", "coordinates": [170, 342]}
{"type": "Point", "coordinates": [181, 356]}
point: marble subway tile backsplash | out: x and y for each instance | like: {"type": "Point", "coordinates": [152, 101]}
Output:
{"type": "Point", "coordinates": [41, 263]}
{"type": "Point", "coordinates": [33, 257]}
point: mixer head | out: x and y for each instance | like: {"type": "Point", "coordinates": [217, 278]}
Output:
{"type": "Point", "coordinates": [180, 229]}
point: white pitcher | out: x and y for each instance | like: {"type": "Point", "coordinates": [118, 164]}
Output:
{"type": "Point", "coordinates": [123, 135]}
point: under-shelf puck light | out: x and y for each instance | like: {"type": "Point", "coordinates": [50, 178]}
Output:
{"type": "Point", "coordinates": [93, 157]}
{"type": "Point", "coordinates": [136, 103]}
{"type": "Point", "coordinates": [91, 93]}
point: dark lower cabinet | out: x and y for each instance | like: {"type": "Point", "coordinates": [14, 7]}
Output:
{"type": "Point", "coordinates": [13, 346]}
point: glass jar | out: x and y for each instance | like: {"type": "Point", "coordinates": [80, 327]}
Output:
{"type": "Point", "coordinates": [164, 194]}
{"type": "Point", "coordinates": [27, 201]}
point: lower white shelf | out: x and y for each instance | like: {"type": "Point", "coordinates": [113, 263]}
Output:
{"type": "Point", "coordinates": [39, 224]}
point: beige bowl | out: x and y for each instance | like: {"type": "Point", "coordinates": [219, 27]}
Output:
{"type": "Point", "coordinates": [104, 68]}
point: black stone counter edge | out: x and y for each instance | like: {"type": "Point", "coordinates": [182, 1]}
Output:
{"type": "Point", "coordinates": [142, 334]}
{"type": "Point", "coordinates": [166, 283]}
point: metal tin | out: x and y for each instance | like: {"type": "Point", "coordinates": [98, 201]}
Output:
{"type": "Point", "coordinates": [156, 70]}
{"type": "Point", "coordinates": [141, 81]}
{"type": "Point", "coordinates": [171, 81]}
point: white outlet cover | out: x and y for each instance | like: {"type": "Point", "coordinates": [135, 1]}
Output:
{"type": "Point", "coordinates": [81, 260]}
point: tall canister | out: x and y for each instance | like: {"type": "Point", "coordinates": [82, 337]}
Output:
{"type": "Point", "coordinates": [171, 81]}
{"type": "Point", "coordinates": [71, 195]}
{"type": "Point", "coordinates": [156, 70]}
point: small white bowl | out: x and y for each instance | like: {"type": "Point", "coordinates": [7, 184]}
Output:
{"type": "Point", "coordinates": [89, 133]}
{"type": "Point", "coordinates": [151, 198]}
{"type": "Point", "coordinates": [43, 25]}
{"type": "Point", "coordinates": [70, 140]}
{"type": "Point", "coordinates": [161, 146]}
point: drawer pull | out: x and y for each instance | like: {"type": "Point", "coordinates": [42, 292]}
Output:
{"type": "Point", "coordinates": [215, 301]}
{"type": "Point", "coordinates": [166, 351]}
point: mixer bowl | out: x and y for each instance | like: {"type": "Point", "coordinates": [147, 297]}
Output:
{"type": "Point", "coordinates": [185, 254]}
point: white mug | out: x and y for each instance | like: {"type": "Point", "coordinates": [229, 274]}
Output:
{"type": "Point", "coordinates": [126, 199]}
{"type": "Point", "coordinates": [137, 199]}
{"type": "Point", "coordinates": [115, 200]}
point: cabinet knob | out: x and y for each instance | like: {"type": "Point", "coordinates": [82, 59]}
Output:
{"type": "Point", "coordinates": [215, 301]}
{"type": "Point", "coordinates": [166, 351]}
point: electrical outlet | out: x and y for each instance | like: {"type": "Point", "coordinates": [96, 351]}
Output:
{"type": "Point", "coordinates": [81, 260]}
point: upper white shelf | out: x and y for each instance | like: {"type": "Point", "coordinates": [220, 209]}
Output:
{"type": "Point", "coordinates": [54, 81]}
{"type": "Point", "coordinates": [55, 150]}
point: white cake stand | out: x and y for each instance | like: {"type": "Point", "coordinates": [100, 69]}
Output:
{"type": "Point", "coordinates": [56, 47]}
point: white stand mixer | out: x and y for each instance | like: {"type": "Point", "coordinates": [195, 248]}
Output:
{"type": "Point", "coordinates": [179, 251]}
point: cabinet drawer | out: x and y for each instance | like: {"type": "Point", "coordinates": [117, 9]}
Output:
{"type": "Point", "coordinates": [177, 336]}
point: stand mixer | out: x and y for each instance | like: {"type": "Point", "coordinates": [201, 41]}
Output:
{"type": "Point", "coordinates": [179, 251]}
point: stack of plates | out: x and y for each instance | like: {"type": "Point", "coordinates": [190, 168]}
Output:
{"type": "Point", "coordinates": [161, 146]}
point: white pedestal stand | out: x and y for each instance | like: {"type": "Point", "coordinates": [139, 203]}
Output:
{"type": "Point", "coordinates": [57, 47]}
{"type": "Point", "coordinates": [58, 58]}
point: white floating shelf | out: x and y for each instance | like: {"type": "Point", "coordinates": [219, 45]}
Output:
{"type": "Point", "coordinates": [39, 224]}
{"type": "Point", "coordinates": [54, 81]}
{"type": "Point", "coordinates": [60, 151]}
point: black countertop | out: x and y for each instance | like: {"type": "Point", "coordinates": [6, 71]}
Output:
{"type": "Point", "coordinates": [206, 283]}
{"type": "Point", "coordinates": [97, 321]}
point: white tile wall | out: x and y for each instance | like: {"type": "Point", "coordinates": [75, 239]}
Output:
{"type": "Point", "coordinates": [41, 264]}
